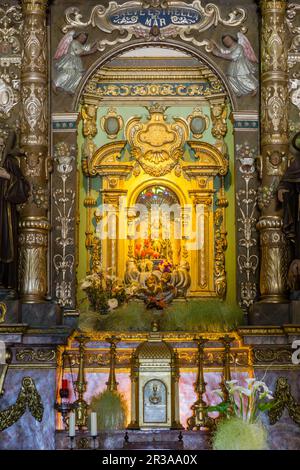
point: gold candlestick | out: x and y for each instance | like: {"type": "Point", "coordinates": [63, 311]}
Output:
{"type": "Point", "coordinates": [80, 404]}
{"type": "Point", "coordinates": [112, 384]}
{"type": "Point", "coordinates": [227, 340]}
{"type": "Point", "coordinates": [200, 419]}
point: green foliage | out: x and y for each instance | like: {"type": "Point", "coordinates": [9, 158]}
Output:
{"type": "Point", "coordinates": [131, 317]}
{"type": "Point", "coordinates": [201, 315]}
{"type": "Point", "coordinates": [111, 410]}
{"type": "Point", "coordinates": [237, 434]}
{"type": "Point", "coordinates": [191, 315]}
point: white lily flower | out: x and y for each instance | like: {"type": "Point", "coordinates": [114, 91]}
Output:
{"type": "Point", "coordinates": [243, 390]}
{"type": "Point", "coordinates": [85, 285]}
{"type": "Point", "coordinates": [219, 392]}
{"type": "Point", "coordinates": [112, 303]}
{"type": "Point", "coordinates": [230, 383]}
{"type": "Point", "coordinates": [250, 381]}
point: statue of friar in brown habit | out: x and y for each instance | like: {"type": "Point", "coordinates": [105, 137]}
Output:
{"type": "Point", "coordinates": [14, 189]}
{"type": "Point", "coordinates": [289, 195]}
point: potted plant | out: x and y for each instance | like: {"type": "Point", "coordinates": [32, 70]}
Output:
{"type": "Point", "coordinates": [239, 426]}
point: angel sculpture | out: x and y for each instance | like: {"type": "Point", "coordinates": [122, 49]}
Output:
{"type": "Point", "coordinates": [68, 67]}
{"type": "Point", "coordinates": [243, 69]}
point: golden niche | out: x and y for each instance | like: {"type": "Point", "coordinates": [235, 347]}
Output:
{"type": "Point", "coordinates": [172, 171]}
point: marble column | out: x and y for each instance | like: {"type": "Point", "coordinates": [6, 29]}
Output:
{"type": "Point", "coordinates": [34, 225]}
{"type": "Point", "coordinates": [274, 149]}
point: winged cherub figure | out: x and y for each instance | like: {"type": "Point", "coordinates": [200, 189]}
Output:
{"type": "Point", "coordinates": [242, 71]}
{"type": "Point", "coordinates": [68, 67]}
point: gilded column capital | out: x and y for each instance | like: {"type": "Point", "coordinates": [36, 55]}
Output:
{"type": "Point", "coordinates": [34, 6]}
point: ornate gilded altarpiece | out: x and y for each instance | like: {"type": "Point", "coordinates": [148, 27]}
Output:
{"type": "Point", "coordinates": [179, 129]}
{"type": "Point", "coordinates": [196, 170]}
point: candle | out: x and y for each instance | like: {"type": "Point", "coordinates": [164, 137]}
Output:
{"type": "Point", "coordinates": [93, 424]}
{"type": "Point", "coordinates": [64, 384]}
{"type": "Point", "coordinates": [72, 424]}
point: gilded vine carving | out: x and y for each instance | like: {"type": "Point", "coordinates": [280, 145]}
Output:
{"type": "Point", "coordinates": [247, 218]}
{"type": "Point", "coordinates": [64, 201]}
{"type": "Point", "coordinates": [220, 248]}
{"type": "Point", "coordinates": [28, 398]}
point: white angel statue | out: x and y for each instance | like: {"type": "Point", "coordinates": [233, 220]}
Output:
{"type": "Point", "coordinates": [68, 67]}
{"type": "Point", "coordinates": [242, 72]}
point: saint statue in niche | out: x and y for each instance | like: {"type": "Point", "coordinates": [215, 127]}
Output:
{"type": "Point", "coordinates": [68, 65]}
{"type": "Point", "coordinates": [14, 189]}
{"type": "Point", "coordinates": [289, 195]}
{"type": "Point", "coordinates": [242, 71]}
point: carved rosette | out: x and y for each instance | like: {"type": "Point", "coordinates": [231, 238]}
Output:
{"type": "Point", "coordinates": [274, 147]}
{"type": "Point", "coordinates": [34, 226]}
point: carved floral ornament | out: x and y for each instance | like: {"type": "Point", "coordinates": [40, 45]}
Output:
{"type": "Point", "coordinates": [142, 20]}
{"type": "Point", "coordinates": [11, 30]}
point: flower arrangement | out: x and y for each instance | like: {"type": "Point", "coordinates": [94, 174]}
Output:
{"type": "Point", "coordinates": [240, 427]}
{"type": "Point", "coordinates": [104, 291]}
{"type": "Point", "coordinates": [165, 266]}
{"type": "Point", "coordinates": [145, 250]}
{"type": "Point", "coordinates": [244, 402]}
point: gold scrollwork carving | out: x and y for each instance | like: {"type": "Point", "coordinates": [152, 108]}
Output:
{"type": "Point", "coordinates": [284, 399]}
{"type": "Point", "coordinates": [210, 161]}
{"type": "Point", "coordinates": [28, 398]}
{"type": "Point", "coordinates": [39, 355]}
{"type": "Point", "coordinates": [269, 355]}
{"type": "Point", "coordinates": [100, 17]}
{"type": "Point", "coordinates": [105, 161]}
{"type": "Point", "coordinates": [3, 310]}
{"type": "Point", "coordinates": [157, 145]}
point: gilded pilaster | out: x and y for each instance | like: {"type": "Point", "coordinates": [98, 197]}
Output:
{"type": "Point", "coordinates": [274, 148]}
{"type": "Point", "coordinates": [34, 225]}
